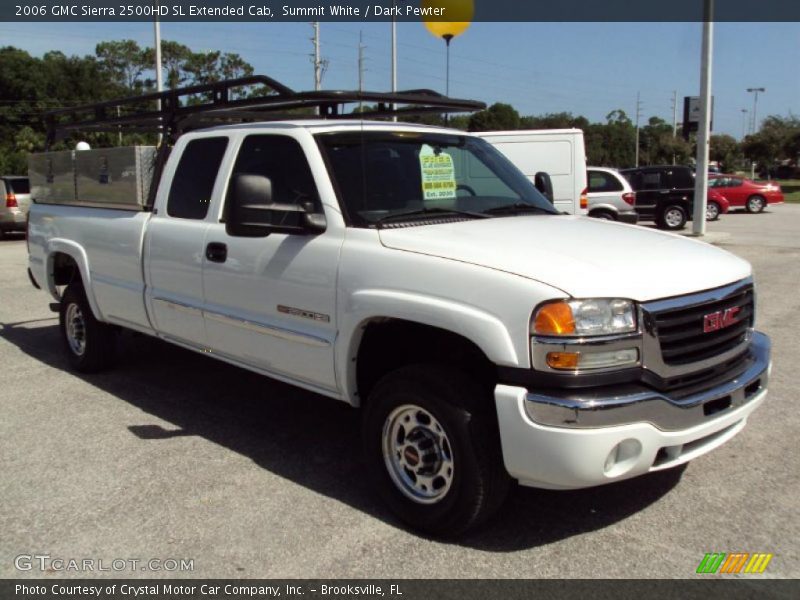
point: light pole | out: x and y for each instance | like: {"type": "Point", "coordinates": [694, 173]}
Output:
{"type": "Point", "coordinates": [394, 57]}
{"type": "Point", "coordinates": [744, 122]}
{"type": "Point", "coordinates": [755, 91]}
{"type": "Point", "coordinates": [704, 126]}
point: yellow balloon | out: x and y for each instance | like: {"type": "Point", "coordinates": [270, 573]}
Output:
{"type": "Point", "coordinates": [461, 11]}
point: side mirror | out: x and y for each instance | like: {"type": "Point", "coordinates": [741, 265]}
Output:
{"type": "Point", "coordinates": [544, 184]}
{"type": "Point", "coordinates": [251, 211]}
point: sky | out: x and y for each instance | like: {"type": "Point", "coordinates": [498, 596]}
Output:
{"type": "Point", "coordinates": [587, 69]}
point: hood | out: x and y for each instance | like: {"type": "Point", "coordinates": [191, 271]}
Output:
{"type": "Point", "coordinates": [584, 257]}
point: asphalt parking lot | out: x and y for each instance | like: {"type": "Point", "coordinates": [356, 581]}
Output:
{"type": "Point", "coordinates": [173, 455]}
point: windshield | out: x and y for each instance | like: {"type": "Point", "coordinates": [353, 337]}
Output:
{"type": "Point", "coordinates": [386, 174]}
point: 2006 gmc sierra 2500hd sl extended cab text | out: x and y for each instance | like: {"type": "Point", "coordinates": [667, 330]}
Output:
{"type": "Point", "coordinates": [410, 271]}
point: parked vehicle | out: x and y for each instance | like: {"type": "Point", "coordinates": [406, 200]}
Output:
{"type": "Point", "coordinates": [745, 193]}
{"type": "Point", "coordinates": [15, 199]}
{"type": "Point", "coordinates": [664, 194]}
{"type": "Point", "coordinates": [716, 204]}
{"type": "Point", "coordinates": [611, 196]}
{"type": "Point", "coordinates": [412, 272]}
{"type": "Point", "coordinates": [561, 153]}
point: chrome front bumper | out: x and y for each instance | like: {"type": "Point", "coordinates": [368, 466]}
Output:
{"type": "Point", "coordinates": [636, 403]}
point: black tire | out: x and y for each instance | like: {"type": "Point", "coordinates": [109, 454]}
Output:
{"type": "Point", "coordinates": [672, 217]}
{"type": "Point", "coordinates": [713, 211]}
{"type": "Point", "coordinates": [755, 204]}
{"type": "Point", "coordinates": [89, 344]}
{"type": "Point", "coordinates": [464, 413]}
{"type": "Point", "coordinates": [603, 214]}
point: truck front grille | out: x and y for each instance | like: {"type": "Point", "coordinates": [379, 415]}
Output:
{"type": "Point", "coordinates": [681, 331]}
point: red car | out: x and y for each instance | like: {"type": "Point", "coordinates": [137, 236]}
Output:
{"type": "Point", "coordinates": [716, 204]}
{"type": "Point", "coordinates": [745, 193]}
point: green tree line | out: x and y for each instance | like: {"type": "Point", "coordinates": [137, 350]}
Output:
{"type": "Point", "coordinates": [30, 86]}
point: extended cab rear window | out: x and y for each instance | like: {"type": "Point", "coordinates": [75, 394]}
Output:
{"type": "Point", "coordinates": [190, 193]}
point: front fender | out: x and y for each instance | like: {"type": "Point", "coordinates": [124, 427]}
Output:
{"type": "Point", "coordinates": [78, 254]}
{"type": "Point", "coordinates": [483, 329]}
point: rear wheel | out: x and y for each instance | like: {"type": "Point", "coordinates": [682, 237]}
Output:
{"type": "Point", "coordinates": [88, 342]}
{"type": "Point", "coordinates": [432, 448]}
{"type": "Point", "coordinates": [712, 211]}
{"type": "Point", "coordinates": [672, 218]}
{"type": "Point", "coordinates": [755, 204]}
{"type": "Point", "coordinates": [603, 214]}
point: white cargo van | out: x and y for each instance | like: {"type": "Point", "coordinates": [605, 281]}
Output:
{"type": "Point", "coordinates": [561, 153]}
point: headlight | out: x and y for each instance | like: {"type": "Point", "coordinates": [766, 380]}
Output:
{"type": "Point", "coordinates": [598, 316]}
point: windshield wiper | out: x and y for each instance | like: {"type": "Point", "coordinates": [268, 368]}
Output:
{"type": "Point", "coordinates": [429, 211]}
{"type": "Point", "coordinates": [516, 208]}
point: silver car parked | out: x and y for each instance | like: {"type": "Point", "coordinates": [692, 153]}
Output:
{"type": "Point", "coordinates": [610, 195]}
{"type": "Point", "coordinates": [15, 200]}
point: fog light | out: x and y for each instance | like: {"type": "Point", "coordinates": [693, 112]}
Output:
{"type": "Point", "coordinates": [622, 458]}
{"type": "Point", "coordinates": [614, 358]}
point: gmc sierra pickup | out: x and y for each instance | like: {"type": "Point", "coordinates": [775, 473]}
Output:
{"type": "Point", "coordinates": [414, 273]}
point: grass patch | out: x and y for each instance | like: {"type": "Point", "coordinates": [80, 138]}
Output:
{"type": "Point", "coordinates": [791, 190]}
{"type": "Point", "coordinates": [790, 187]}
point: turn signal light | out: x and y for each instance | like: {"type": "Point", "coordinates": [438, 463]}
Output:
{"type": "Point", "coordinates": [554, 319]}
{"type": "Point", "coordinates": [585, 198]}
{"type": "Point", "coordinates": [563, 360]}
{"type": "Point", "coordinates": [11, 201]}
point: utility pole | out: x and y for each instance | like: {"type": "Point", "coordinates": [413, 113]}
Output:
{"type": "Point", "coordinates": [744, 122]}
{"type": "Point", "coordinates": [675, 113]}
{"type": "Point", "coordinates": [360, 68]}
{"type": "Point", "coordinates": [159, 81]}
{"type": "Point", "coordinates": [755, 105]}
{"type": "Point", "coordinates": [704, 126]}
{"type": "Point", "coordinates": [674, 119]}
{"type": "Point", "coordinates": [317, 62]}
{"type": "Point", "coordinates": [638, 114]}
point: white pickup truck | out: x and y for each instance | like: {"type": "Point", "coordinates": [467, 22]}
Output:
{"type": "Point", "coordinates": [414, 273]}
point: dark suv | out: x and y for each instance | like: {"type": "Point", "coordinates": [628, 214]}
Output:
{"type": "Point", "coordinates": [664, 194]}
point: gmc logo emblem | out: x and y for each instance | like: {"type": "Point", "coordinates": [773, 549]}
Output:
{"type": "Point", "coordinates": [720, 319]}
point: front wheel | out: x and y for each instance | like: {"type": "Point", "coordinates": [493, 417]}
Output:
{"type": "Point", "coordinates": [88, 342]}
{"type": "Point", "coordinates": [432, 448]}
{"type": "Point", "coordinates": [672, 218]}
{"type": "Point", "coordinates": [755, 204]}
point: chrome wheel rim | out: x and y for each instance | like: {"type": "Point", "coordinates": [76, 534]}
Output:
{"type": "Point", "coordinates": [755, 204]}
{"type": "Point", "coordinates": [75, 329]}
{"type": "Point", "coordinates": [712, 212]}
{"type": "Point", "coordinates": [418, 454]}
{"type": "Point", "coordinates": [673, 217]}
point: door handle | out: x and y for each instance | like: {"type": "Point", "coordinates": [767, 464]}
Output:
{"type": "Point", "coordinates": [217, 252]}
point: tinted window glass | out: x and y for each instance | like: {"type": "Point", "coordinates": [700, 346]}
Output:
{"type": "Point", "coordinates": [380, 174]}
{"type": "Point", "coordinates": [600, 181]}
{"type": "Point", "coordinates": [734, 182]}
{"type": "Point", "coordinates": [681, 178]}
{"type": "Point", "coordinates": [283, 161]}
{"type": "Point", "coordinates": [194, 178]}
{"type": "Point", "coordinates": [652, 181]}
{"type": "Point", "coordinates": [18, 186]}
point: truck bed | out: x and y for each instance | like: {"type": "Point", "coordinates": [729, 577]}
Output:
{"type": "Point", "coordinates": [107, 244]}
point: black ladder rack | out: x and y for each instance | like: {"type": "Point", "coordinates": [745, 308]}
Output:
{"type": "Point", "coordinates": [200, 106]}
